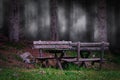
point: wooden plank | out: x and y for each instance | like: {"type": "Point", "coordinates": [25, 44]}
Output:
{"type": "Point", "coordinates": [52, 46]}
{"type": "Point", "coordinates": [81, 60]}
{"type": "Point", "coordinates": [67, 47]}
{"type": "Point", "coordinates": [93, 48]}
{"type": "Point", "coordinates": [40, 58]}
{"type": "Point", "coordinates": [52, 42]}
{"type": "Point", "coordinates": [95, 44]}
{"type": "Point", "coordinates": [70, 43]}
{"type": "Point", "coordinates": [92, 59]}
{"type": "Point", "coordinates": [91, 44]}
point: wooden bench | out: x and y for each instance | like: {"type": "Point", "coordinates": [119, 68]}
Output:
{"type": "Point", "coordinates": [62, 46]}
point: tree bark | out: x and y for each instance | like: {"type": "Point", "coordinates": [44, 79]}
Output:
{"type": "Point", "coordinates": [14, 20]}
{"type": "Point", "coordinates": [53, 20]}
{"type": "Point", "coordinates": [101, 17]}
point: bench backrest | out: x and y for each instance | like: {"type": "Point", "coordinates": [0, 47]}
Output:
{"type": "Point", "coordinates": [92, 45]}
{"type": "Point", "coordinates": [69, 45]}
{"type": "Point", "coordinates": [52, 44]}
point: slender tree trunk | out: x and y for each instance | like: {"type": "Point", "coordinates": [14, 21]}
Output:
{"type": "Point", "coordinates": [69, 22]}
{"type": "Point", "coordinates": [101, 16]}
{"type": "Point", "coordinates": [53, 20]}
{"type": "Point", "coordinates": [14, 19]}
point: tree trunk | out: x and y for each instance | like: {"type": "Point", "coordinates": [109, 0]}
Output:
{"type": "Point", "coordinates": [53, 20]}
{"type": "Point", "coordinates": [14, 19]}
{"type": "Point", "coordinates": [101, 17]}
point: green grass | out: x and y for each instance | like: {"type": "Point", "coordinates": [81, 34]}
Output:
{"type": "Point", "coordinates": [54, 74]}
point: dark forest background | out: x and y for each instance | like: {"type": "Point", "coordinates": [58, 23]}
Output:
{"type": "Point", "coordinates": [76, 20]}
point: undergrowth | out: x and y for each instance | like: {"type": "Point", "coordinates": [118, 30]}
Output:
{"type": "Point", "coordinates": [54, 74]}
{"type": "Point", "coordinates": [17, 45]}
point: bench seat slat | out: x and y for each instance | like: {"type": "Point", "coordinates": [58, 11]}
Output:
{"type": "Point", "coordinates": [82, 59]}
{"type": "Point", "coordinates": [93, 48]}
{"type": "Point", "coordinates": [54, 58]}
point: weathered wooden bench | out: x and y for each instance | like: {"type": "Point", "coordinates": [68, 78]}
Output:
{"type": "Point", "coordinates": [62, 46]}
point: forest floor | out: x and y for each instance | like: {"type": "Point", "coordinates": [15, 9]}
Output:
{"type": "Point", "coordinates": [10, 56]}
{"type": "Point", "coordinates": [10, 61]}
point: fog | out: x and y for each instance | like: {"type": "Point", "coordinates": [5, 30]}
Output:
{"type": "Point", "coordinates": [37, 22]}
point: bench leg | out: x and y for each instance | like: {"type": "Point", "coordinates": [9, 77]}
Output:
{"type": "Point", "coordinates": [40, 51]}
{"type": "Point", "coordinates": [78, 51]}
{"type": "Point", "coordinates": [101, 58]}
{"type": "Point", "coordinates": [63, 54]}
{"type": "Point", "coordinates": [58, 61]}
